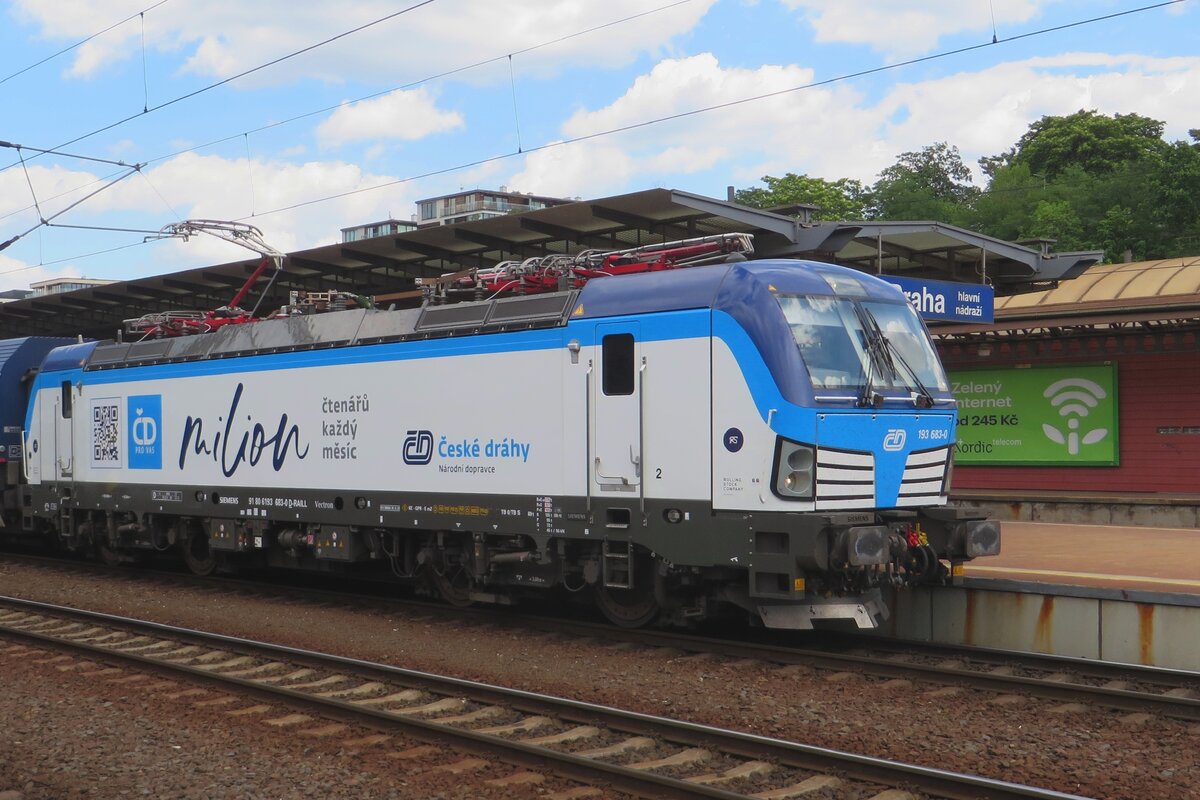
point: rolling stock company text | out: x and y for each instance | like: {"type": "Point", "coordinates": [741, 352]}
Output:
{"type": "Point", "coordinates": [504, 448]}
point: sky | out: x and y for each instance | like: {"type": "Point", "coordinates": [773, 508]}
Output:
{"type": "Point", "coordinates": [302, 118]}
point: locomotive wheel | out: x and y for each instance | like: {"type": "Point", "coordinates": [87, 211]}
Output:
{"type": "Point", "coordinates": [108, 556]}
{"type": "Point", "coordinates": [198, 556]}
{"type": "Point", "coordinates": [453, 584]}
{"type": "Point", "coordinates": [627, 608]}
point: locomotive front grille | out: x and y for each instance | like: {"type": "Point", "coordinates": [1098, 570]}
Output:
{"type": "Point", "coordinates": [924, 477]}
{"type": "Point", "coordinates": [845, 479]}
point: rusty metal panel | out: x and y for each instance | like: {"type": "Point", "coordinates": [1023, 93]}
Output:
{"type": "Point", "coordinates": [1147, 633]}
{"type": "Point", "coordinates": [1161, 631]}
{"type": "Point", "coordinates": [1068, 626]}
{"type": "Point", "coordinates": [911, 614]}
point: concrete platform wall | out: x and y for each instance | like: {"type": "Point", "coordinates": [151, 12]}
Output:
{"type": "Point", "coordinates": [1153, 630]}
{"type": "Point", "coordinates": [1088, 513]}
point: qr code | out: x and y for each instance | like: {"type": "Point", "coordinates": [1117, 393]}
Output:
{"type": "Point", "coordinates": [106, 438]}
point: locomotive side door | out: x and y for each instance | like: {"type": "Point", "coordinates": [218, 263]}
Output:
{"type": "Point", "coordinates": [617, 409]}
{"type": "Point", "coordinates": [64, 441]}
{"type": "Point", "coordinates": [39, 439]}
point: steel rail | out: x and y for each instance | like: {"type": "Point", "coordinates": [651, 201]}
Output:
{"type": "Point", "coordinates": [1176, 706]}
{"type": "Point", "coordinates": [935, 782]}
{"type": "Point", "coordinates": [885, 665]}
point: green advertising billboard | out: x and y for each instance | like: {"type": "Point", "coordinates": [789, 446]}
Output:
{"type": "Point", "coordinates": [1056, 415]}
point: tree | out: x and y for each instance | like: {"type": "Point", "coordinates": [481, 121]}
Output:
{"type": "Point", "coordinates": [1057, 220]}
{"type": "Point", "coordinates": [1087, 180]}
{"type": "Point", "coordinates": [931, 183]}
{"type": "Point", "coordinates": [1176, 192]}
{"type": "Point", "coordinates": [1005, 209]}
{"type": "Point", "coordinates": [1120, 234]}
{"type": "Point", "coordinates": [1093, 181]}
{"type": "Point", "coordinates": [1089, 140]}
{"type": "Point", "coordinates": [844, 198]}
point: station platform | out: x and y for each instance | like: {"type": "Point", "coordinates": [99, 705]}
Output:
{"type": "Point", "coordinates": [1110, 592]}
{"type": "Point", "coordinates": [1129, 558]}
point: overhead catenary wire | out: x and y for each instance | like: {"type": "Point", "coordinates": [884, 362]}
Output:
{"type": "Point", "coordinates": [512, 78]}
{"type": "Point", "coordinates": [421, 81]}
{"type": "Point", "coordinates": [29, 182]}
{"type": "Point", "coordinates": [728, 104]}
{"type": "Point", "coordinates": [242, 74]}
{"type": "Point", "coordinates": [66, 259]}
{"type": "Point", "coordinates": [47, 220]}
{"type": "Point", "coordinates": [174, 214]}
{"type": "Point", "coordinates": [63, 193]}
{"type": "Point", "coordinates": [56, 152]}
{"type": "Point", "coordinates": [409, 85]}
{"type": "Point", "coordinates": [250, 172]}
{"type": "Point", "coordinates": [692, 112]}
{"type": "Point", "coordinates": [82, 42]}
{"type": "Point", "coordinates": [145, 76]}
{"type": "Point", "coordinates": [101, 228]}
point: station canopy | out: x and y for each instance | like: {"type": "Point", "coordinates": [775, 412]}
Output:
{"type": "Point", "coordinates": [388, 267]}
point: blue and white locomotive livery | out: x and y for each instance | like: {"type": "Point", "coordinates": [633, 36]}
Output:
{"type": "Point", "coordinates": [773, 436]}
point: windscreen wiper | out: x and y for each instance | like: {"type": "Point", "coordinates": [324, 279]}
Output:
{"type": "Point", "coordinates": [923, 398]}
{"type": "Point", "coordinates": [871, 339]}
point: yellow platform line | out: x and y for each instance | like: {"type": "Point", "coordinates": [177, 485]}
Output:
{"type": "Point", "coordinates": [1054, 573]}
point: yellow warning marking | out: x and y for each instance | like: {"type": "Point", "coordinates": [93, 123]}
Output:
{"type": "Point", "coordinates": [578, 312]}
{"type": "Point", "coordinates": [1104, 576]}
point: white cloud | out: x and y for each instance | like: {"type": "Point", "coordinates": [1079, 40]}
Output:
{"type": "Point", "coordinates": [406, 115]}
{"type": "Point", "coordinates": [219, 38]}
{"type": "Point", "coordinates": [210, 187]}
{"type": "Point", "coordinates": [791, 127]}
{"type": "Point", "coordinates": [907, 29]}
{"type": "Point", "coordinates": [55, 188]}
{"type": "Point", "coordinates": [591, 169]}
{"type": "Point", "coordinates": [834, 131]}
{"type": "Point", "coordinates": [15, 274]}
{"type": "Point", "coordinates": [985, 112]}
{"type": "Point", "coordinates": [831, 131]}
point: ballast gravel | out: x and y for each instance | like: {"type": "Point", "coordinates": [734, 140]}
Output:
{"type": "Point", "coordinates": [61, 736]}
{"type": "Point", "coordinates": [88, 732]}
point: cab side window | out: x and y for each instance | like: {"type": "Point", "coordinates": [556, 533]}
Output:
{"type": "Point", "coordinates": [617, 358]}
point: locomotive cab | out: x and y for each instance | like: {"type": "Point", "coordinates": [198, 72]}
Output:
{"type": "Point", "coordinates": [846, 446]}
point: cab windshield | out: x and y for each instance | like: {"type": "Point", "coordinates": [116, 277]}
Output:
{"type": "Point", "coordinates": [835, 336]}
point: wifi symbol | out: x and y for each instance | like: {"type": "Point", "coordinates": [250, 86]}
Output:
{"type": "Point", "coordinates": [1074, 398]}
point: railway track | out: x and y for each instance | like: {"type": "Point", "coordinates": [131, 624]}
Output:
{"type": "Point", "coordinates": [637, 753]}
{"type": "Point", "coordinates": [1124, 687]}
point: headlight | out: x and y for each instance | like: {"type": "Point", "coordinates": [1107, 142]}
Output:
{"type": "Point", "coordinates": [795, 470]}
{"type": "Point", "coordinates": [864, 546]}
{"type": "Point", "coordinates": [981, 538]}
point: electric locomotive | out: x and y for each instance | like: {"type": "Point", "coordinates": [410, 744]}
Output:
{"type": "Point", "coordinates": [770, 436]}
